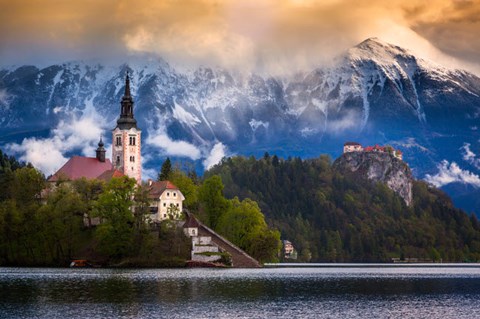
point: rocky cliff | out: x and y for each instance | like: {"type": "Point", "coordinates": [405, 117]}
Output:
{"type": "Point", "coordinates": [379, 167]}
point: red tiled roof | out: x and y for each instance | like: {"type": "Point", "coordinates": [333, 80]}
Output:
{"type": "Point", "coordinates": [368, 149]}
{"type": "Point", "coordinates": [157, 188]}
{"type": "Point", "coordinates": [80, 166]}
{"type": "Point", "coordinates": [108, 175]}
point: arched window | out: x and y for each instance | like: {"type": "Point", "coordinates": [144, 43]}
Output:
{"type": "Point", "coordinates": [132, 140]}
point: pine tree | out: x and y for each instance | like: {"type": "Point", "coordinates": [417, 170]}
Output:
{"type": "Point", "coordinates": [165, 170]}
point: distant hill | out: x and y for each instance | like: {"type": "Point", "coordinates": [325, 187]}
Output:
{"type": "Point", "coordinates": [332, 213]}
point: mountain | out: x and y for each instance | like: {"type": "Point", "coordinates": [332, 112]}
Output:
{"type": "Point", "coordinates": [373, 93]}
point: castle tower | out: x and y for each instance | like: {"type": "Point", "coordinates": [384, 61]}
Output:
{"type": "Point", "coordinates": [126, 141]}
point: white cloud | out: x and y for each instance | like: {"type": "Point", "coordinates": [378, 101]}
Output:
{"type": "Point", "coordinates": [216, 154]}
{"type": "Point", "coordinates": [170, 147]}
{"type": "Point", "coordinates": [452, 173]}
{"type": "Point", "coordinates": [4, 99]}
{"type": "Point", "coordinates": [470, 156]}
{"type": "Point", "coordinates": [48, 154]}
{"type": "Point", "coordinates": [149, 173]}
{"type": "Point", "coordinates": [44, 154]}
{"type": "Point", "coordinates": [350, 120]}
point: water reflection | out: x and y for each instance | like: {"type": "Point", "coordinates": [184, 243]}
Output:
{"type": "Point", "coordinates": [233, 293]}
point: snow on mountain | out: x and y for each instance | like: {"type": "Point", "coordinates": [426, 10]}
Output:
{"type": "Point", "coordinates": [374, 93]}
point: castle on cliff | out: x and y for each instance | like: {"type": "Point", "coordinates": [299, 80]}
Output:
{"type": "Point", "coordinates": [357, 147]}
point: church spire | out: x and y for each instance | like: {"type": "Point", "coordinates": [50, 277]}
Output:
{"type": "Point", "coordinates": [126, 120]}
{"type": "Point", "coordinates": [127, 86]}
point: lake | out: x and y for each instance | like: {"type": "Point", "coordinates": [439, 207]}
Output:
{"type": "Point", "coordinates": [317, 292]}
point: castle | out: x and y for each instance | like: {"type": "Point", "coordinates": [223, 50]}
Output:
{"type": "Point", "coordinates": [357, 147]}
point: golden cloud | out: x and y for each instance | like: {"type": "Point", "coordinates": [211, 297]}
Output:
{"type": "Point", "coordinates": [270, 35]}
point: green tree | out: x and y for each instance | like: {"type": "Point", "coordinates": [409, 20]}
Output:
{"type": "Point", "coordinates": [186, 186]}
{"type": "Point", "coordinates": [114, 206]}
{"type": "Point", "coordinates": [212, 201]}
{"type": "Point", "coordinates": [165, 170]}
{"type": "Point", "coordinates": [61, 224]}
{"type": "Point", "coordinates": [244, 224]}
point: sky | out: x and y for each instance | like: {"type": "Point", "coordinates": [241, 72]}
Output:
{"type": "Point", "coordinates": [266, 36]}
{"type": "Point", "coordinates": [261, 35]}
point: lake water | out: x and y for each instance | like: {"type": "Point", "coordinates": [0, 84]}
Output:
{"type": "Point", "coordinates": [360, 292]}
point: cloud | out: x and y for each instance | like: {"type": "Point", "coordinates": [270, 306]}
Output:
{"type": "Point", "coordinates": [44, 154]}
{"type": "Point", "coordinates": [216, 154]}
{"type": "Point", "coordinates": [149, 173]}
{"type": "Point", "coordinates": [470, 156]}
{"type": "Point", "coordinates": [169, 147]}
{"type": "Point", "coordinates": [452, 173]}
{"type": "Point", "coordinates": [48, 154]}
{"type": "Point", "coordinates": [265, 35]}
{"type": "Point", "coordinates": [348, 120]}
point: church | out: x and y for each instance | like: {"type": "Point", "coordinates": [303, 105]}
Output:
{"type": "Point", "coordinates": [126, 151]}
{"type": "Point", "coordinates": [126, 161]}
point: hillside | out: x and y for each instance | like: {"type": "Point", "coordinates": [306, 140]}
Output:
{"type": "Point", "coordinates": [330, 214]}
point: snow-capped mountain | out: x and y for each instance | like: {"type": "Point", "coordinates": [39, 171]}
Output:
{"type": "Point", "coordinates": [374, 93]}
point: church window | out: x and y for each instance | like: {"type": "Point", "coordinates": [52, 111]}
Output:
{"type": "Point", "coordinates": [132, 158]}
{"type": "Point", "coordinates": [118, 159]}
{"type": "Point", "coordinates": [118, 140]}
{"type": "Point", "coordinates": [132, 140]}
{"type": "Point", "coordinates": [164, 204]}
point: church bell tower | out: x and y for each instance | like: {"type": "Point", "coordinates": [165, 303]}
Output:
{"type": "Point", "coordinates": [126, 141]}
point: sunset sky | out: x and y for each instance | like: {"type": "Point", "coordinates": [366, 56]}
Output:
{"type": "Point", "coordinates": [265, 35]}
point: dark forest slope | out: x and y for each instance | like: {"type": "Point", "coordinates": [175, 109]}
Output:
{"type": "Point", "coordinates": [333, 215]}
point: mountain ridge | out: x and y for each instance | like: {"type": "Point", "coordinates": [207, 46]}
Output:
{"type": "Point", "coordinates": [390, 97]}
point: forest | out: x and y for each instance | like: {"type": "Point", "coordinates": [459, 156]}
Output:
{"type": "Point", "coordinates": [333, 216]}
{"type": "Point", "coordinates": [328, 215]}
{"type": "Point", "coordinates": [48, 225]}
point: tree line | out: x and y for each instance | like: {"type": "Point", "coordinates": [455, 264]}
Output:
{"type": "Point", "coordinates": [333, 216]}
{"type": "Point", "coordinates": [49, 225]}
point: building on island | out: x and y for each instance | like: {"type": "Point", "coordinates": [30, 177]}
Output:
{"type": "Point", "coordinates": [356, 147]}
{"type": "Point", "coordinates": [166, 200]}
{"type": "Point", "coordinates": [126, 139]}
{"type": "Point", "coordinates": [78, 167]}
{"type": "Point", "coordinates": [126, 148]}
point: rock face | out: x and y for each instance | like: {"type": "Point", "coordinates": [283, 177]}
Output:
{"type": "Point", "coordinates": [379, 167]}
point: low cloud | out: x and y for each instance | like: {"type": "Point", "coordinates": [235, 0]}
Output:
{"type": "Point", "coordinates": [169, 147]}
{"type": "Point", "coordinates": [470, 156]}
{"type": "Point", "coordinates": [452, 173]}
{"type": "Point", "coordinates": [216, 154]}
{"type": "Point", "coordinates": [48, 154]}
{"type": "Point", "coordinates": [348, 121]}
